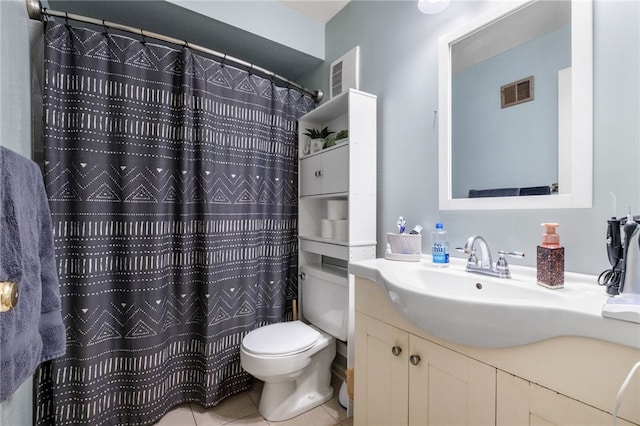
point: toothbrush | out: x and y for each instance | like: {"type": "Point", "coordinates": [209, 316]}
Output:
{"type": "Point", "coordinates": [401, 225]}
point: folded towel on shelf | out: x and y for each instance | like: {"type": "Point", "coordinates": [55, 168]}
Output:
{"type": "Point", "coordinates": [32, 332]}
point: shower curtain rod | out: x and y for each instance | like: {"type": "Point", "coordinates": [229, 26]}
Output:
{"type": "Point", "coordinates": [37, 12]}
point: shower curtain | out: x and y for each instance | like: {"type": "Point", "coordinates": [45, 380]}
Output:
{"type": "Point", "coordinates": [172, 181]}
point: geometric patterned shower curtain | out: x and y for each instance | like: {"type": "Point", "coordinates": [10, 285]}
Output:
{"type": "Point", "coordinates": [172, 182]}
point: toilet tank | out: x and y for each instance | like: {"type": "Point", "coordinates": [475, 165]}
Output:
{"type": "Point", "coordinates": [325, 299]}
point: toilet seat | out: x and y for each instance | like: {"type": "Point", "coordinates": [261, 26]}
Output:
{"type": "Point", "coordinates": [281, 339]}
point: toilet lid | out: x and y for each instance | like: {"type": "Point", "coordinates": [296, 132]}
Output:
{"type": "Point", "coordinates": [283, 338]}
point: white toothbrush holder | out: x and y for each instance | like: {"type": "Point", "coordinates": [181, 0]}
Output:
{"type": "Point", "coordinates": [407, 247]}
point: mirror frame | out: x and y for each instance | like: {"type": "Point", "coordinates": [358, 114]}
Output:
{"type": "Point", "coordinates": [575, 160]}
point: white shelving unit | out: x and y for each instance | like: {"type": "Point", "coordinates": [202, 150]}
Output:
{"type": "Point", "coordinates": [345, 172]}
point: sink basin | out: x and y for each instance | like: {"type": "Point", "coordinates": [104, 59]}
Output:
{"type": "Point", "coordinates": [483, 311]}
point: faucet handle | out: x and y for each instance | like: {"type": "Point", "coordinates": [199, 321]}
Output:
{"type": "Point", "coordinates": [473, 259]}
{"type": "Point", "coordinates": [502, 266]}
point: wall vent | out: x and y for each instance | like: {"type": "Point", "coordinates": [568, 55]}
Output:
{"type": "Point", "coordinates": [345, 73]}
{"type": "Point", "coordinates": [517, 92]}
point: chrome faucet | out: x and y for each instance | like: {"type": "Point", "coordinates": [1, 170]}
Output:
{"type": "Point", "coordinates": [484, 265]}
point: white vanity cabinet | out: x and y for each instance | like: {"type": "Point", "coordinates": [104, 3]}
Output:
{"type": "Point", "coordinates": [521, 402]}
{"type": "Point", "coordinates": [404, 379]}
{"type": "Point", "coordinates": [560, 381]}
{"type": "Point", "coordinates": [344, 174]}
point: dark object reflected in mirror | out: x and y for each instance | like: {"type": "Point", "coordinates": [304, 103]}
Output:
{"type": "Point", "coordinates": [510, 192]}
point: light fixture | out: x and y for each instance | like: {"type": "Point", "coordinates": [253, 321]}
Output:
{"type": "Point", "coordinates": [431, 7]}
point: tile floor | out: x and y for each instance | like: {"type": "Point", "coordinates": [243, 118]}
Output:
{"type": "Point", "coordinates": [242, 409]}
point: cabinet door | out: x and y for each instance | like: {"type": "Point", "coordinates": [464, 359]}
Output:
{"type": "Point", "coordinates": [335, 170]}
{"type": "Point", "coordinates": [512, 400]}
{"type": "Point", "coordinates": [520, 402]}
{"type": "Point", "coordinates": [551, 408]}
{"type": "Point", "coordinates": [448, 388]}
{"type": "Point", "coordinates": [325, 172]}
{"type": "Point", "coordinates": [310, 181]}
{"type": "Point", "coordinates": [381, 387]}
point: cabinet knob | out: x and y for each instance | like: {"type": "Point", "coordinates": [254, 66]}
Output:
{"type": "Point", "coordinates": [318, 173]}
{"type": "Point", "coordinates": [414, 359]}
{"type": "Point", "coordinates": [8, 295]}
{"type": "Point", "coordinates": [303, 276]}
{"type": "Point", "coordinates": [396, 350]}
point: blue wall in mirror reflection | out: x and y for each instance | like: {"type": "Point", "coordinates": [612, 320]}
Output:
{"type": "Point", "coordinates": [515, 146]}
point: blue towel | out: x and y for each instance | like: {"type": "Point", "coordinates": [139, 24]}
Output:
{"type": "Point", "coordinates": [33, 331]}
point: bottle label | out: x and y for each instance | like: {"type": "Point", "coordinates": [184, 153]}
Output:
{"type": "Point", "coordinates": [440, 253]}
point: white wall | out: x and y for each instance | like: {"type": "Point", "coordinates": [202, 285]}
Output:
{"type": "Point", "coordinates": [398, 47]}
{"type": "Point", "coordinates": [269, 19]}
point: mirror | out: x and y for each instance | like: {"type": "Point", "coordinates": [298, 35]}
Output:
{"type": "Point", "coordinates": [512, 150]}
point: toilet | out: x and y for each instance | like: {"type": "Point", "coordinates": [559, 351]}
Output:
{"type": "Point", "coordinates": [293, 358]}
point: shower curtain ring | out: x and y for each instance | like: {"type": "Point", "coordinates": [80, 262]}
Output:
{"type": "Point", "coordinates": [104, 26]}
{"type": "Point", "coordinates": [66, 18]}
{"type": "Point", "coordinates": [223, 59]}
{"type": "Point", "coordinates": [144, 39]}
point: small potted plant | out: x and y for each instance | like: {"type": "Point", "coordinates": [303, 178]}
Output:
{"type": "Point", "coordinates": [333, 140]}
{"type": "Point", "coordinates": [342, 134]}
{"type": "Point", "coordinates": [317, 138]}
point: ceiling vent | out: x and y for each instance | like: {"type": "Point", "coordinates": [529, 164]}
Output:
{"type": "Point", "coordinates": [517, 92]}
{"type": "Point", "coordinates": [345, 73]}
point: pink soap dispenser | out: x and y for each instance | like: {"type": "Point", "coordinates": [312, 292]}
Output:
{"type": "Point", "coordinates": [550, 258]}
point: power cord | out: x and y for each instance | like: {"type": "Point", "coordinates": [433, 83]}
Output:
{"type": "Point", "coordinates": [621, 392]}
{"type": "Point", "coordinates": [610, 278]}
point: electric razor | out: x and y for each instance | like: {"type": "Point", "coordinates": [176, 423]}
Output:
{"type": "Point", "coordinates": [615, 252]}
{"type": "Point", "coordinates": [614, 242]}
